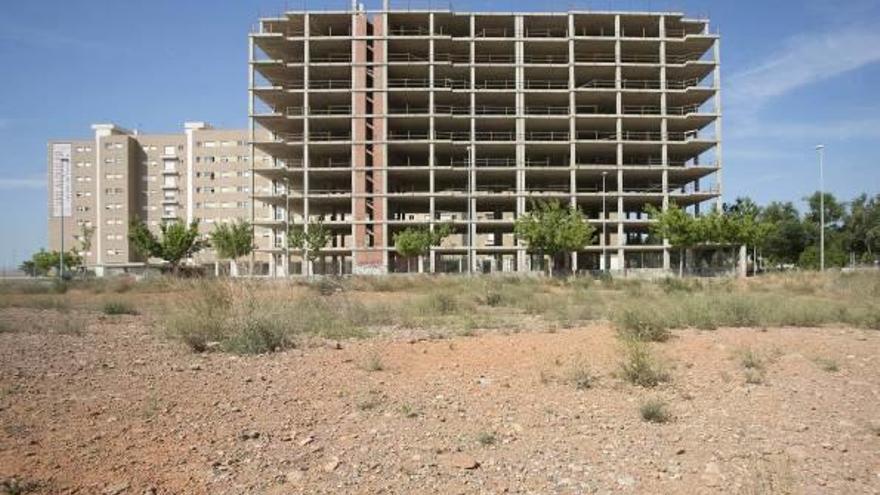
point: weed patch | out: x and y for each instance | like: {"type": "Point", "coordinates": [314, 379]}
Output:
{"type": "Point", "coordinates": [118, 308]}
{"type": "Point", "coordinates": [640, 367]}
{"type": "Point", "coordinates": [655, 411]}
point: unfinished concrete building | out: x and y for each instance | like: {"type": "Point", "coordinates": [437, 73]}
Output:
{"type": "Point", "coordinates": [382, 120]}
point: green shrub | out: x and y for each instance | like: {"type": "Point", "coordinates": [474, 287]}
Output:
{"type": "Point", "coordinates": [438, 303]}
{"type": "Point", "coordinates": [644, 322]}
{"type": "Point", "coordinates": [639, 366]}
{"type": "Point", "coordinates": [581, 375]}
{"type": "Point", "coordinates": [654, 411]}
{"type": "Point", "coordinates": [674, 284]}
{"type": "Point", "coordinates": [493, 299]}
{"type": "Point", "coordinates": [119, 308]}
{"type": "Point", "coordinates": [326, 286]}
{"type": "Point", "coordinates": [408, 411]}
{"type": "Point", "coordinates": [751, 360]}
{"type": "Point", "coordinates": [203, 320]}
{"type": "Point", "coordinates": [486, 438]}
{"type": "Point", "coordinates": [828, 365]}
{"type": "Point", "coordinates": [374, 363]}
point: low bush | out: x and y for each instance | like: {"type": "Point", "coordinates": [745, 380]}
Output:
{"type": "Point", "coordinates": [828, 365]}
{"type": "Point", "coordinates": [119, 308]}
{"type": "Point", "coordinates": [639, 366]}
{"type": "Point", "coordinates": [486, 438]}
{"type": "Point", "coordinates": [654, 411]}
{"type": "Point", "coordinates": [374, 363]}
{"type": "Point", "coordinates": [644, 322]}
{"type": "Point", "coordinates": [580, 374]}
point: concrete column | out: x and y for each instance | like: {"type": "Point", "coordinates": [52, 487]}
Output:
{"type": "Point", "coordinates": [717, 83]}
{"type": "Point", "coordinates": [432, 206]}
{"type": "Point", "coordinates": [521, 255]}
{"type": "Point", "coordinates": [664, 129]}
{"type": "Point", "coordinates": [472, 155]}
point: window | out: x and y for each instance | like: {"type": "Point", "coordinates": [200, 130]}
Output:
{"type": "Point", "coordinates": [170, 150]}
{"type": "Point", "coordinates": [210, 144]}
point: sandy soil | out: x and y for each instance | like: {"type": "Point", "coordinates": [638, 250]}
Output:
{"type": "Point", "coordinates": [121, 410]}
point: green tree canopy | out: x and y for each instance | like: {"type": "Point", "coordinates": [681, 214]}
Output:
{"type": "Point", "coordinates": [232, 241]}
{"type": "Point", "coordinates": [176, 241]}
{"type": "Point", "coordinates": [417, 241]}
{"type": "Point", "coordinates": [552, 229]}
{"type": "Point", "coordinates": [786, 235]}
{"type": "Point", "coordinates": [310, 240]}
{"type": "Point", "coordinates": [42, 262]}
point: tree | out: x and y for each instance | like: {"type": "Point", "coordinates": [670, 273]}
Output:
{"type": "Point", "coordinates": [751, 230]}
{"type": "Point", "coordinates": [176, 242]}
{"type": "Point", "coordinates": [417, 241]}
{"type": "Point", "coordinates": [85, 238]}
{"type": "Point", "coordinates": [862, 227]}
{"type": "Point", "coordinates": [786, 236]}
{"type": "Point", "coordinates": [676, 226]}
{"type": "Point", "coordinates": [42, 262]}
{"type": "Point", "coordinates": [28, 268]}
{"type": "Point", "coordinates": [232, 241]}
{"type": "Point", "coordinates": [834, 210]}
{"type": "Point", "coordinates": [551, 229]}
{"type": "Point", "coordinates": [310, 240]}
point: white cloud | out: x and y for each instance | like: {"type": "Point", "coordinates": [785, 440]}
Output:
{"type": "Point", "coordinates": [804, 60]}
{"type": "Point", "coordinates": [8, 184]}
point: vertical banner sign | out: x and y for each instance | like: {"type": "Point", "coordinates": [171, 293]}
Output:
{"type": "Point", "coordinates": [61, 186]}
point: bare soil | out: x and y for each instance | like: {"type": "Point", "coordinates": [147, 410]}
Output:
{"type": "Point", "coordinates": [121, 409]}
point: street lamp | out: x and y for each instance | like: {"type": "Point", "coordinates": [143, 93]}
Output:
{"type": "Point", "coordinates": [604, 265]}
{"type": "Point", "coordinates": [820, 149]}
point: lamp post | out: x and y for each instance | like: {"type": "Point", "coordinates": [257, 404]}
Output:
{"type": "Point", "coordinates": [820, 149]}
{"type": "Point", "coordinates": [604, 264]}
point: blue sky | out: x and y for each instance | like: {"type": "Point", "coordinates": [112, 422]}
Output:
{"type": "Point", "coordinates": [794, 73]}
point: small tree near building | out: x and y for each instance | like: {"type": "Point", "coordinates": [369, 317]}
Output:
{"type": "Point", "coordinates": [549, 229]}
{"type": "Point", "coordinates": [232, 241]}
{"type": "Point", "coordinates": [43, 262]}
{"type": "Point", "coordinates": [176, 242]}
{"type": "Point", "coordinates": [310, 241]}
{"type": "Point", "coordinates": [676, 226]}
{"type": "Point", "coordinates": [416, 242]}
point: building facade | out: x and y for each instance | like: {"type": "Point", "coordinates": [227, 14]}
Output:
{"type": "Point", "coordinates": [98, 185]}
{"type": "Point", "coordinates": [374, 122]}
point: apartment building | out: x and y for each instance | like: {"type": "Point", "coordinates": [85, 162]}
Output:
{"type": "Point", "coordinates": [376, 121]}
{"type": "Point", "coordinates": [103, 182]}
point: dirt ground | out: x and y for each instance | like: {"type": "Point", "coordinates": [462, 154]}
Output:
{"type": "Point", "coordinates": [119, 409]}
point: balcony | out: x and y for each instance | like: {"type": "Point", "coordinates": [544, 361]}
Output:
{"type": "Point", "coordinates": [545, 59]}
{"type": "Point", "coordinates": [409, 31]}
{"type": "Point", "coordinates": [545, 84]}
